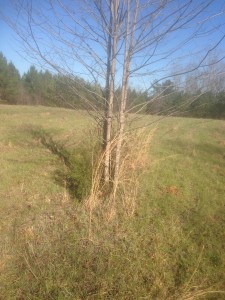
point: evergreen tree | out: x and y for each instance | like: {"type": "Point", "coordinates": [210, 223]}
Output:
{"type": "Point", "coordinates": [9, 81]}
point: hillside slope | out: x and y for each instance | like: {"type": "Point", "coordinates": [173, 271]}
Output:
{"type": "Point", "coordinates": [172, 249]}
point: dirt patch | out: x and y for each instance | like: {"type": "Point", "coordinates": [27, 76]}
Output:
{"type": "Point", "coordinates": [172, 190]}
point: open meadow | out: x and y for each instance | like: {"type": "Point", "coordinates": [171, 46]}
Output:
{"type": "Point", "coordinates": [172, 248]}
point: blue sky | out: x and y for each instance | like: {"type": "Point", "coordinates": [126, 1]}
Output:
{"type": "Point", "coordinates": [214, 17]}
{"type": "Point", "coordinates": [9, 44]}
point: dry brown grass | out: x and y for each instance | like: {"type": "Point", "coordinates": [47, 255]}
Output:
{"type": "Point", "coordinates": [113, 202]}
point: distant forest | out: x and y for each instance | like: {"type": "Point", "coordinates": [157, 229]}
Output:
{"type": "Point", "coordinates": [192, 99]}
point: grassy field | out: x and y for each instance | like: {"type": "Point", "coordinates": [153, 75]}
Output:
{"type": "Point", "coordinates": [174, 246]}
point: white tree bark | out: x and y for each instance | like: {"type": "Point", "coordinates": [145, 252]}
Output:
{"type": "Point", "coordinates": [110, 87]}
{"type": "Point", "coordinates": [129, 35]}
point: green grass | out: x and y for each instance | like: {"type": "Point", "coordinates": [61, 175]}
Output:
{"type": "Point", "coordinates": [174, 246]}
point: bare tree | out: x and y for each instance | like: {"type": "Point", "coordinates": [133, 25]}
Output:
{"type": "Point", "coordinates": [115, 43]}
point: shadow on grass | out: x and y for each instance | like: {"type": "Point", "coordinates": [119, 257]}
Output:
{"type": "Point", "coordinates": [74, 173]}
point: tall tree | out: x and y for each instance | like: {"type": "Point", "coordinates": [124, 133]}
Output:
{"type": "Point", "coordinates": [9, 81]}
{"type": "Point", "coordinates": [113, 43]}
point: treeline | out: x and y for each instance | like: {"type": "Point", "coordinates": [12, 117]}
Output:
{"type": "Point", "coordinates": [190, 98]}
{"type": "Point", "coordinates": [44, 88]}
{"type": "Point", "coordinates": [167, 99]}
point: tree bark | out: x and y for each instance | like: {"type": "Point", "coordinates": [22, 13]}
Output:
{"type": "Point", "coordinates": [130, 29]}
{"type": "Point", "coordinates": [110, 81]}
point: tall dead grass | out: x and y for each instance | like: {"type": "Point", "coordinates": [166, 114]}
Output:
{"type": "Point", "coordinates": [119, 199]}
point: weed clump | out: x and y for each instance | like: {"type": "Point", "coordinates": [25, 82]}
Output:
{"type": "Point", "coordinates": [79, 173]}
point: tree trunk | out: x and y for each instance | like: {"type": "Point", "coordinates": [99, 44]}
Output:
{"type": "Point", "coordinates": [123, 100]}
{"type": "Point", "coordinates": [111, 67]}
{"type": "Point", "coordinates": [126, 72]}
